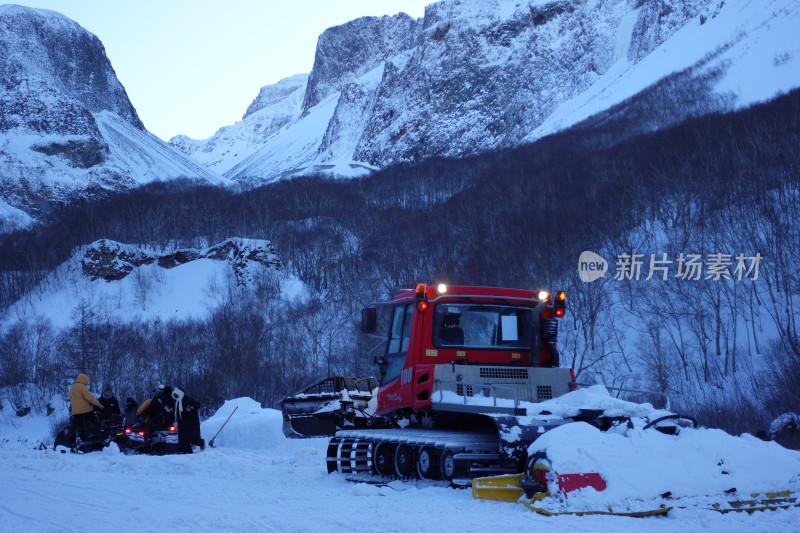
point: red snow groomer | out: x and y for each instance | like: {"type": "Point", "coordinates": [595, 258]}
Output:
{"type": "Point", "coordinates": [457, 367]}
{"type": "Point", "coordinates": [469, 379]}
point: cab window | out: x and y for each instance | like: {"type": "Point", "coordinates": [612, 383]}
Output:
{"type": "Point", "coordinates": [399, 338]}
{"type": "Point", "coordinates": [401, 329]}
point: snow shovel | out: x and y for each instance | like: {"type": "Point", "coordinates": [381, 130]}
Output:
{"type": "Point", "coordinates": [211, 442]}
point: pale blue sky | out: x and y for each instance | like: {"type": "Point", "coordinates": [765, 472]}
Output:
{"type": "Point", "coordinates": [193, 66]}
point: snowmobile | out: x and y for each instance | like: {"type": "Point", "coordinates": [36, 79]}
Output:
{"type": "Point", "coordinates": [99, 434]}
{"type": "Point", "coordinates": [144, 438]}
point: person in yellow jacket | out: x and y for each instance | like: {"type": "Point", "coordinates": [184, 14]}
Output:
{"type": "Point", "coordinates": [82, 401]}
{"type": "Point", "coordinates": [143, 409]}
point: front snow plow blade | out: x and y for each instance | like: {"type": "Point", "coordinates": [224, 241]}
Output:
{"type": "Point", "coordinates": [659, 511]}
{"type": "Point", "coordinates": [498, 488]}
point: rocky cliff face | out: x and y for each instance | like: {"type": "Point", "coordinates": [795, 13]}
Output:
{"type": "Point", "coordinates": [54, 74]}
{"type": "Point", "coordinates": [484, 76]}
{"type": "Point", "coordinates": [67, 127]}
{"type": "Point", "coordinates": [347, 52]}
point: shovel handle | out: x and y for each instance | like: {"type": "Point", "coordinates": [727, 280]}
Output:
{"type": "Point", "coordinates": [211, 442]}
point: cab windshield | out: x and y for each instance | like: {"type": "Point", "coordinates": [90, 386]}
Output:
{"type": "Point", "coordinates": [469, 325]}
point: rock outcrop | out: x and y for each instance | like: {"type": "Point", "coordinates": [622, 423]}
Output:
{"type": "Point", "coordinates": [111, 260]}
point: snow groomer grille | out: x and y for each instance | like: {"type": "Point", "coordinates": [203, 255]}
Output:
{"type": "Point", "coordinates": [462, 390]}
{"type": "Point", "coordinates": [544, 392]}
{"type": "Point", "coordinates": [504, 373]}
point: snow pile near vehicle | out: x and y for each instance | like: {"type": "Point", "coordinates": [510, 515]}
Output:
{"type": "Point", "coordinates": [642, 467]}
{"type": "Point", "coordinates": [596, 398]}
{"type": "Point", "coordinates": [24, 419]}
{"type": "Point", "coordinates": [251, 427]}
{"type": "Point", "coordinates": [26, 432]}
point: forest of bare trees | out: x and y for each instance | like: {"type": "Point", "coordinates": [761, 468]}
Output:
{"type": "Point", "coordinates": [726, 350]}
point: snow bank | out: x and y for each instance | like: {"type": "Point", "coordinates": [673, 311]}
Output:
{"type": "Point", "coordinates": [35, 429]}
{"type": "Point", "coordinates": [251, 427]}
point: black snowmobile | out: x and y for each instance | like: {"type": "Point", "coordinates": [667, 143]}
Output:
{"type": "Point", "coordinates": [98, 434]}
{"type": "Point", "coordinates": [154, 440]}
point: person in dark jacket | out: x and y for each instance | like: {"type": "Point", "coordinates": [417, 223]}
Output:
{"type": "Point", "coordinates": [187, 417]}
{"type": "Point", "coordinates": [110, 404]}
{"type": "Point", "coordinates": [158, 411]}
{"type": "Point", "coordinates": [131, 406]}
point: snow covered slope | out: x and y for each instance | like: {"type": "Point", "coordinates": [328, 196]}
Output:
{"type": "Point", "coordinates": [274, 107]}
{"type": "Point", "coordinates": [482, 76]}
{"type": "Point", "coordinates": [747, 50]}
{"type": "Point", "coordinates": [125, 283]}
{"type": "Point", "coordinates": [321, 140]}
{"type": "Point", "coordinates": [257, 480]}
{"type": "Point", "coordinates": [67, 127]}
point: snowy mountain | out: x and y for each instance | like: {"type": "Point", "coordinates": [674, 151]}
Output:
{"type": "Point", "coordinates": [472, 77]}
{"type": "Point", "coordinates": [274, 107]}
{"type": "Point", "coordinates": [308, 129]}
{"type": "Point", "coordinates": [67, 127]}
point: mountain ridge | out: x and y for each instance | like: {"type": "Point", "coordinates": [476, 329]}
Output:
{"type": "Point", "coordinates": [494, 75]}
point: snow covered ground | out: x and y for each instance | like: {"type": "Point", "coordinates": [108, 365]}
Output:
{"type": "Point", "coordinates": [257, 480]}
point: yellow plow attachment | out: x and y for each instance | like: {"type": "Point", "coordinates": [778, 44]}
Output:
{"type": "Point", "coordinates": [498, 488]}
{"type": "Point", "coordinates": [660, 510]}
{"type": "Point", "coordinates": [768, 501]}
{"type": "Point", "coordinates": [506, 489]}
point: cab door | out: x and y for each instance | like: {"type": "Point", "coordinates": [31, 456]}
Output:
{"type": "Point", "coordinates": [398, 364]}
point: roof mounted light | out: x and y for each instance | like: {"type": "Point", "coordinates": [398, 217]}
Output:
{"type": "Point", "coordinates": [543, 296]}
{"type": "Point", "coordinates": [441, 288]}
{"type": "Point", "coordinates": [419, 292]}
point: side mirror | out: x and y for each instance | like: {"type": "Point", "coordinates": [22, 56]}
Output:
{"type": "Point", "coordinates": [369, 320]}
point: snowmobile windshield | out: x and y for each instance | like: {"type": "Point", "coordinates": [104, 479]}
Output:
{"type": "Point", "coordinates": [471, 325]}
